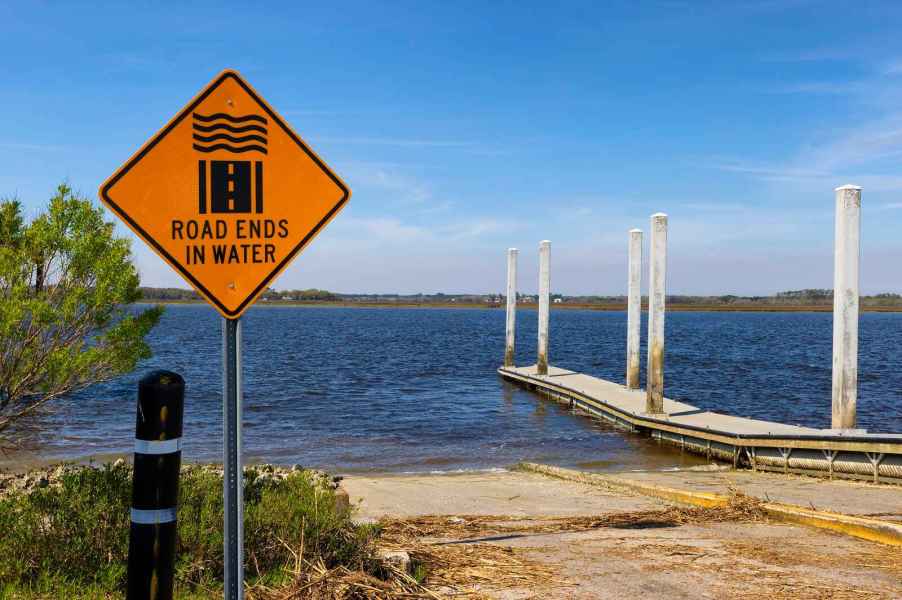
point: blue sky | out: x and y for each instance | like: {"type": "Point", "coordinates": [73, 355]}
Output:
{"type": "Point", "coordinates": [464, 128]}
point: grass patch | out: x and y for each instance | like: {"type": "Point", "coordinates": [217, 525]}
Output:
{"type": "Point", "coordinates": [70, 539]}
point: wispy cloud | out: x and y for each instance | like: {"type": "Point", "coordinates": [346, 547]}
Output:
{"type": "Point", "coordinates": [837, 88]}
{"type": "Point", "coordinates": [817, 178]}
{"type": "Point", "coordinates": [714, 207]}
{"type": "Point", "coordinates": [302, 112]}
{"type": "Point", "coordinates": [31, 147]}
{"type": "Point", "coordinates": [770, 172]}
{"type": "Point", "coordinates": [478, 228]}
{"type": "Point", "coordinates": [875, 183]}
{"type": "Point", "coordinates": [813, 55]}
{"type": "Point", "coordinates": [397, 142]}
{"type": "Point", "coordinates": [388, 177]}
{"type": "Point", "coordinates": [471, 147]}
{"type": "Point", "coordinates": [136, 61]}
{"type": "Point", "coordinates": [393, 230]}
{"type": "Point", "coordinates": [864, 148]}
{"type": "Point", "coordinates": [865, 144]}
{"type": "Point", "coordinates": [385, 229]}
{"type": "Point", "coordinates": [437, 207]}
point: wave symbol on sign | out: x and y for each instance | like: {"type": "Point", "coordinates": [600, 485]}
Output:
{"type": "Point", "coordinates": [221, 131]}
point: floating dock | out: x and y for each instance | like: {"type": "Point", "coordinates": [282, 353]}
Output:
{"type": "Point", "coordinates": [759, 445]}
{"type": "Point", "coordinates": [843, 451]}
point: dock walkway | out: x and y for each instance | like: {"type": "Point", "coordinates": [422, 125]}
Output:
{"type": "Point", "coordinates": [758, 444]}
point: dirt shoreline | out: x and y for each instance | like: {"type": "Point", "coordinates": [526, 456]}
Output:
{"type": "Point", "coordinates": [51, 475]}
{"type": "Point", "coordinates": [514, 534]}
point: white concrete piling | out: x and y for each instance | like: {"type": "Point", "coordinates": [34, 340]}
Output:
{"type": "Point", "coordinates": [510, 324]}
{"type": "Point", "coordinates": [634, 309]}
{"type": "Point", "coordinates": [544, 305]}
{"type": "Point", "coordinates": [845, 305]}
{"type": "Point", "coordinates": [657, 278]}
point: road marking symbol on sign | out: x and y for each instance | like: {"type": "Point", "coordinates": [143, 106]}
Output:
{"type": "Point", "coordinates": [226, 193]}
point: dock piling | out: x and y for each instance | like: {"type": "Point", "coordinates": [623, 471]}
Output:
{"type": "Point", "coordinates": [845, 305]}
{"type": "Point", "coordinates": [634, 309]}
{"type": "Point", "coordinates": [657, 277]}
{"type": "Point", "coordinates": [544, 304]}
{"type": "Point", "coordinates": [510, 323]}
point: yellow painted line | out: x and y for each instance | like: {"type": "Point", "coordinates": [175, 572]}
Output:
{"type": "Point", "coordinates": [875, 530]}
{"type": "Point", "coordinates": [616, 484]}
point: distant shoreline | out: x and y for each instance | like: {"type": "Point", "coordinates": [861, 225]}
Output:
{"type": "Point", "coordinates": [533, 306]}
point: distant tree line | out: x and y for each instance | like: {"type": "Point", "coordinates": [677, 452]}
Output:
{"type": "Point", "coordinates": [806, 297]}
{"type": "Point", "coordinates": [309, 295]}
{"type": "Point", "coordinates": [157, 294]}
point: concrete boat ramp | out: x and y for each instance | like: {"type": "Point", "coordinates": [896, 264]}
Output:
{"type": "Point", "coordinates": [760, 445]}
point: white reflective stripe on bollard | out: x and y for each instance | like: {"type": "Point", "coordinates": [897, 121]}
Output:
{"type": "Point", "coordinates": [153, 517]}
{"type": "Point", "coordinates": [158, 446]}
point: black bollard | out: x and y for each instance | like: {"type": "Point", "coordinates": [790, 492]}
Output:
{"type": "Point", "coordinates": [155, 486]}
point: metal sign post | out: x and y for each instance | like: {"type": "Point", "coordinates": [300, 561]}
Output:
{"type": "Point", "coordinates": [227, 194]}
{"type": "Point", "coordinates": [233, 473]}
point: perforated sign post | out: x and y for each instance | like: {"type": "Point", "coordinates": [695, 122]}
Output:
{"type": "Point", "coordinates": [228, 195]}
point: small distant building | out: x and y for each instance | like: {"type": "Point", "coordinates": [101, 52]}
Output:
{"type": "Point", "coordinates": [558, 300]}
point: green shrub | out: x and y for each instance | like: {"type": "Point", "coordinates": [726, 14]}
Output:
{"type": "Point", "coordinates": [75, 535]}
{"type": "Point", "coordinates": [78, 530]}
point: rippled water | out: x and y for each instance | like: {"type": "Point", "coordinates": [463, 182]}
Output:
{"type": "Point", "coordinates": [416, 389]}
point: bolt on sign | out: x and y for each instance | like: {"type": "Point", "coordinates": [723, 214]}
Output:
{"type": "Point", "coordinates": [226, 193]}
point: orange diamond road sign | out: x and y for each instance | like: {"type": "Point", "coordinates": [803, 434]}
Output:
{"type": "Point", "coordinates": [226, 193]}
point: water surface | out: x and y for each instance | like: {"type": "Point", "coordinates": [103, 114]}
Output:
{"type": "Point", "coordinates": [397, 390]}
